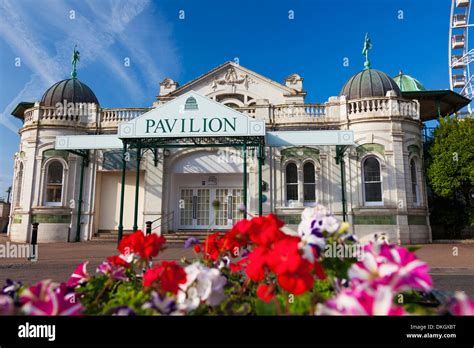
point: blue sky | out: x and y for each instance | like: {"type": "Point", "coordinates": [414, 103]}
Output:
{"type": "Point", "coordinates": [159, 44]}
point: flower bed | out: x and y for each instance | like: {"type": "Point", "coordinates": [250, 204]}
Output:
{"type": "Point", "coordinates": [259, 267]}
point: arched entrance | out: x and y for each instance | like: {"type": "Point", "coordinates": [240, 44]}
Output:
{"type": "Point", "coordinates": [206, 190]}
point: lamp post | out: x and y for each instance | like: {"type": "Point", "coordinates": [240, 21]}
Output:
{"type": "Point", "coordinates": [9, 190]}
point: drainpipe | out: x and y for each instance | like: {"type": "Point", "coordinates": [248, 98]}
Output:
{"type": "Point", "coordinates": [137, 188]}
{"type": "Point", "coordinates": [244, 149]}
{"type": "Point", "coordinates": [260, 159]}
{"type": "Point", "coordinates": [271, 178]}
{"type": "Point", "coordinates": [340, 160]}
{"type": "Point", "coordinates": [122, 193]}
{"type": "Point", "coordinates": [85, 160]}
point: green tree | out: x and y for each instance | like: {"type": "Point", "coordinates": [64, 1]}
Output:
{"type": "Point", "coordinates": [450, 169]}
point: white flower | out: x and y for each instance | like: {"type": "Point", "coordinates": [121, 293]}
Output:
{"type": "Point", "coordinates": [188, 300]}
{"type": "Point", "coordinates": [203, 284]}
{"type": "Point", "coordinates": [224, 262]}
{"type": "Point", "coordinates": [307, 243]}
{"type": "Point", "coordinates": [330, 224]}
{"type": "Point", "coordinates": [311, 213]}
{"type": "Point", "coordinates": [317, 220]}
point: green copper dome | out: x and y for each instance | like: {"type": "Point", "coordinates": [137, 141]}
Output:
{"type": "Point", "coordinates": [408, 83]}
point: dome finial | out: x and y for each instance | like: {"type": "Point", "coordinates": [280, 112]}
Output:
{"type": "Point", "coordinates": [75, 59]}
{"type": "Point", "coordinates": [365, 51]}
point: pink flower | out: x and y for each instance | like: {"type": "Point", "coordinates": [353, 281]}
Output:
{"type": "Point", "coordinates": [361, 301]}
{"type": "Point", "coordinates": [79, 276]}
{"type": "Point", "coordinates": [116, 272]}
{"type": "Point", "coordinates": [47, 298]}
{"type": "Point", "coordinates": [392, 266]}
{"type": "Point", "coordinates": [35, 292]}
{"type": "Point", "coordinates": [461, 304]}
{"type": "Point", "coordinates": [412, 273]}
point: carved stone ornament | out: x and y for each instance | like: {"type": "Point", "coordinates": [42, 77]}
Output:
{"type": "Point", "coordinates": [231, 78]}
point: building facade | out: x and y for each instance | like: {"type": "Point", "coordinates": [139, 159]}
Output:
{"type": "Point", "coordinates": [187, 189]}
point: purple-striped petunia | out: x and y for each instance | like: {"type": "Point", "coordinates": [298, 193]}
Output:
{"type": "Point", "coordinates": [390, 265]}
{"type": "Point", "coordinates": [461, 304]}
{"type": "Point", "coordinates": [79, 276]}
{"type": "Point", "coordinates": [48, 298]}
{"type": "Point", "coordinates": [362, 301]}
{"type": "Point", "coordinates": [113, 271]}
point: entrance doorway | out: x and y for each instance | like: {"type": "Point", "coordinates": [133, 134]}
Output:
{"type": "Point", "coordinates": [109, 186]}
{"type": "Point", "coordinates": [209, 208]}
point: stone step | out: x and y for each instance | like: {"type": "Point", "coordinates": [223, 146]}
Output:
{"type": "Point", "coordinates": [193, 232]}
{"type": "Point", "coordinates": [171, 237]}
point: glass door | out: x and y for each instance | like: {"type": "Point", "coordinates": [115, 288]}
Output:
{"type": "Point", "coordinates": [194, 208]}
{"type": "Point", "coordinates": [186, 208]}
{"type": "Point", "coordinates": [237, 201]}
{"type": "Point", "coordinates": [202, 209]}
{"type": "Point", "coordinates": [220, 207]}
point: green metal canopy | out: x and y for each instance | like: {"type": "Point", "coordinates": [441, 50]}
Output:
{"type": "Point", "coordinates": [433, 103]}
{"type": "Point", "coordinates": [437, 103]}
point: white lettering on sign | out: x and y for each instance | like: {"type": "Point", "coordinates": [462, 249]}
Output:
{"type": "Point", "coordinates": [191, 115]}
{"type": "Point", "coordinates": [191, 125]}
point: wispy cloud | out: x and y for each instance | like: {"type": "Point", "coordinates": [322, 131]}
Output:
{"type": "Point", "coordinates": [98, 27]}
{"type": "Point", "coordinates": [42, 34]}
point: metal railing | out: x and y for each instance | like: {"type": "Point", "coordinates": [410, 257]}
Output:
{"type": "Point", "coordinates": [161, 220]}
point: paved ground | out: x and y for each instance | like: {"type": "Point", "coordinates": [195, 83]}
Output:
{"type": "Point", "coordinates": [456, 255]}
{"type": "Point", "coordinates": [57, 261]}
{"type": "Point", "coordinates": [452, 265]}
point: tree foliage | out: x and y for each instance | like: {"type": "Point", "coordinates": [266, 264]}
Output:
{"type": "Point", "coordinates": [450, 168]}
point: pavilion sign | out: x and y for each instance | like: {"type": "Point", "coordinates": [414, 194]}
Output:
{"type": "Point", "coordinates": [192, 115]}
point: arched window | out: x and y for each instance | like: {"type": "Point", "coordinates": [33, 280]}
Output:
{"type": "Point", "coordinates": [54, 183]}
{"type": "Point", "coordinates": [414, 182]}
{"type": "Point", "coordinates": [291, 182]}
{"type": "Point", "coordinates": [18, 185]}
{"type": "Point", "coordinates": [309, 182]}
{"type": "Point", "coordinates": [372, 182]}
{"type": "Point", "coordinates": [231, 105]}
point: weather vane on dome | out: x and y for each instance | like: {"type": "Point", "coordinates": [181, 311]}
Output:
{"type": "Point", "coordinates": [75, 59]}
{"type": "Point", "coordinates": [365, 51]}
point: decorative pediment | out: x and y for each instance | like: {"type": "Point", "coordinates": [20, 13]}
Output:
{"type": "Point", "coordinates": [231, 78]}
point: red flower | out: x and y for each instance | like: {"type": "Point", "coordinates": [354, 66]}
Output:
{"type": "Point", "coordinates": [167, 274]}
{"type": "Point", "coordinates": [265, 230]}
{"type": "Point", "coordinates": [240, 265]}
{"type": "Point", "coordinates": [285, 256]}
{"type": "Point", "coordinates": [152, 246]}
{"type": "Point", "coordinates": [144, 246]}
{"type": "Point", "coordinates": [238, 236]}
{"type": "Point", "coordinates": [132, 243]}
{"type": "Point", "coordinates": [299, 282]}
{"type": "Point", "coordinates": [265, 292]}
{"type": "Point", "coordinates": [256, 264]}
{"type": "Point", "coordinates": [118, 261]}
{"type": "Point", "coordinates": [197, 248]}
{"type": "Point", "coordinates": [211, 247]}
